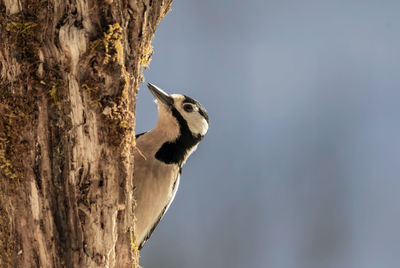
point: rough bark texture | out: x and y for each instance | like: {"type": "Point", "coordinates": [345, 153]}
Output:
{"type": "Point", "coordinates": [69, 72]}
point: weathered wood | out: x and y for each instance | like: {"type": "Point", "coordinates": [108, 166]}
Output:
{"type": "Point", "coordinates": [69, 72]}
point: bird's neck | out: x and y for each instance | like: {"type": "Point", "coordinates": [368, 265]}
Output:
{"type": "Point", "coordinates": [167, 126]}
{"type": "Point", "coordinates": [179, 141]}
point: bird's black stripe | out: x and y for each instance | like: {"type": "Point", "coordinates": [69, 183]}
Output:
{"type": "Point", "coordinates": [175, 152]}
{"type": "Point", "coordinates": [190, 100]}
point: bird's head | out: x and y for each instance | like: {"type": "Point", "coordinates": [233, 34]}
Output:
{"type": "Point", "coordinates": [178, 113]}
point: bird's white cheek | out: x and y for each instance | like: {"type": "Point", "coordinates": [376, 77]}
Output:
{"type": "Point", "coordinates": [199, 127]}
{"type": "Point", "coordinates": [204, 127]}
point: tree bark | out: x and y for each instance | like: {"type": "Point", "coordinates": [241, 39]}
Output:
{"type": "Point", "coordinates": [69, 74]}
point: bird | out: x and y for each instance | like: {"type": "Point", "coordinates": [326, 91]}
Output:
{"type": "Point", "coordinates": [161, 153]}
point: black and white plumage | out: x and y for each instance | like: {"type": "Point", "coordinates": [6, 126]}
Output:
{"type": "Point", "coordinates": [182, 123]}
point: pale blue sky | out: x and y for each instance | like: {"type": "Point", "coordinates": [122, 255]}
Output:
{"type": "Point", "coordinates": [301, 165]}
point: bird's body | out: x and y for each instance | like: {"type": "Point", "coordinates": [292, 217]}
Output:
{"type": "Point", "coordinates": [160, 155]}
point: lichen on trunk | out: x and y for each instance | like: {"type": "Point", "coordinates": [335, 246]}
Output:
{"type": "Point", "coordinates": [69, 74]}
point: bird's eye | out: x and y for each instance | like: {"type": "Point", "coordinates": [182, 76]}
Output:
{"type": "Point", "coordinates": [188, 108]}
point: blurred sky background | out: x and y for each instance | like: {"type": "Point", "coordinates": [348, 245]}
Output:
{"type": "Point", "coordinates": [301, 164]}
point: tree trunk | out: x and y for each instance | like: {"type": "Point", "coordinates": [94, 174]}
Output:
{"type": "Point", "coordinates": [69, 74]}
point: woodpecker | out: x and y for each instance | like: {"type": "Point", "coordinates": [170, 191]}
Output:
{"type": "Point", "coordinates": [160, 155]}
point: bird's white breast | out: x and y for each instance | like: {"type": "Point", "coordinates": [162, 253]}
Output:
{"type": "Point", "coordinates": [156, 186]}
{"type": "Point", "coordinates": [173, 190]}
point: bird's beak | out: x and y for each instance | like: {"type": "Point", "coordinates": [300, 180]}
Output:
{"type": "Point", "coordinates": [160, 95]}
